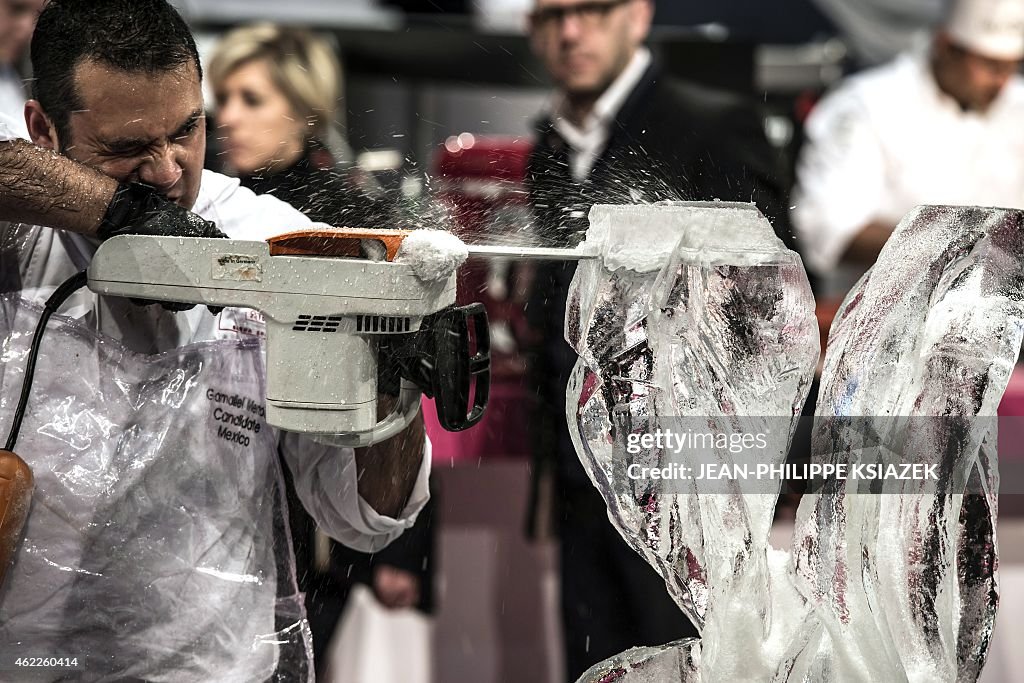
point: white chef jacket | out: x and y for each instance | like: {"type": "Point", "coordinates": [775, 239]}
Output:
{"type": "Point", "coordinates": [12, 99]}
{"type": "Point", "coordinates": [888, 140]}
{"type": "Point", "coordinates": [326, 482]}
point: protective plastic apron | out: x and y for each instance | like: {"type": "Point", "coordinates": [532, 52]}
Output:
{"type": "Point", "coordinates": [149, 552]}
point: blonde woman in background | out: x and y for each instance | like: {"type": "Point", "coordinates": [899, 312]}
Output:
{"type": "Point", "coordinates": [276, 91]}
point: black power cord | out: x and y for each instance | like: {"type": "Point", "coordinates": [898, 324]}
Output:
{"type": "Point", "coordinates": [56, 300]}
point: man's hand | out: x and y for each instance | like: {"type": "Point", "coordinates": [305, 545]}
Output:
{"type": "Point", "coordinates": [395, 588]}
{"type": "Point", "coordinates": [388, 470]}
{"type": "Point", "coordinates": [138, 209]}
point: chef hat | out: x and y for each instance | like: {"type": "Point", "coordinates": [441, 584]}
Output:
{"type": "Point", "coordinates": [991, 28]}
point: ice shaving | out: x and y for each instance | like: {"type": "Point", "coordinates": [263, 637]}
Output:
{"type": "Point", "coordinates": [432, 254]}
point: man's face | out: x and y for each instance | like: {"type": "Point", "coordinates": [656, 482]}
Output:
{"type": "Point", "coordinates": [17, 21]}
{"type": "Point", "coordinates": [141, 127]}
{"type": "Point", "coordinates": [585, 44]}
{"type": "Point", "coordinates": [973, 80]}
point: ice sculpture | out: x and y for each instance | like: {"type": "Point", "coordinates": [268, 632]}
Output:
{"type": "Point", "coordinates": [698, 310]}
{"type": "Point", "coordinates": [694, 310]}
{"type": "Point", "coordinates": [904, 586]}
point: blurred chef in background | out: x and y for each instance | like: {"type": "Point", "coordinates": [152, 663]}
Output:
{"type": "Point", "coordinates": [942, 125]}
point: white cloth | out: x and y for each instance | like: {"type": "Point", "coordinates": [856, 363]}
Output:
{"type": "Point", "coordinates": [888, 140]}
{"type": "Point", "coordinates": [586, 142]}
{"type": "Point", "coordinates": [374, 644]}
{"type": "Point", "coordinates": [325, 480]}
{"type": "Point", "coordinates": [12, 100]}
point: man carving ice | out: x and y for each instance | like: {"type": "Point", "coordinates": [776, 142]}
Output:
{"type": "Point", "coordinates": [118, 134]}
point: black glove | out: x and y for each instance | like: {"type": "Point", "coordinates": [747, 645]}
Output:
{"type": "Point", "coordinates": [138, 209]}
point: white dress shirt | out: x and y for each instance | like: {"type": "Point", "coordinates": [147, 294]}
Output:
{"type": "Point", "coordinates": [12, 99]}
{"type": "Point", "coordinates": [587, 141]}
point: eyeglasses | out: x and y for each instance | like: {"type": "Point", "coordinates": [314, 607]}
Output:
{"type": "Point", "coordinates": [589, 14]}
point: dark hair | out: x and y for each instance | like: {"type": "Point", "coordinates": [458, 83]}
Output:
{"type": "Point", "coordinates": [132, 35]}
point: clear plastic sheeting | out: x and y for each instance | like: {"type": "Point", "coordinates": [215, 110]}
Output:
{"type": "Point", "coordinates": [693, 310]}
{"type": "Point", "coordinates": [157, 544]}
{"type": "Point", "coordinates": [894, 586]}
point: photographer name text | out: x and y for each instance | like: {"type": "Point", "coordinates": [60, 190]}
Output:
{"type": "Point", "coordinates": [765, 471]}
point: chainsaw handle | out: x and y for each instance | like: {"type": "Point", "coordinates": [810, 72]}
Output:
{"type": "Point", "coordinates": [463, 373]}
{"type": "Point", "coordinates": [401, 416]}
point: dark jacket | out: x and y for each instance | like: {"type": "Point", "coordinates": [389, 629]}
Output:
{"type": "Point", "coordinates": [669, 141]}
{"type": "Point", "coordinates": [327, 195]}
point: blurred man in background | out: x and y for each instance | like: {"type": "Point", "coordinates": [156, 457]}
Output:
{"type": "Point", "coordinates": [617, 131]}
{"type": "Point", "coordinates": [17, 21]}
{"type": "Point", "coordinates": [942, 126]}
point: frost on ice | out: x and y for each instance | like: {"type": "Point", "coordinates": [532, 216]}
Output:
{"type": "Point", "coordinates": [432, 254]}
{"type": "Point", "coordinates": [699, 310]}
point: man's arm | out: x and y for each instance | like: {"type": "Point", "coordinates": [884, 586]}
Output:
{"type": "Point", "coordinates": [41, 187]}
{"type": "Point", "coordinates": [329, 481]}
{"type": "Point", "coordinates": [387, 471]}
{"type": "Point", "coordinates": [867, 244]}
{"type": "Point", "coordinates": [841, 185]}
